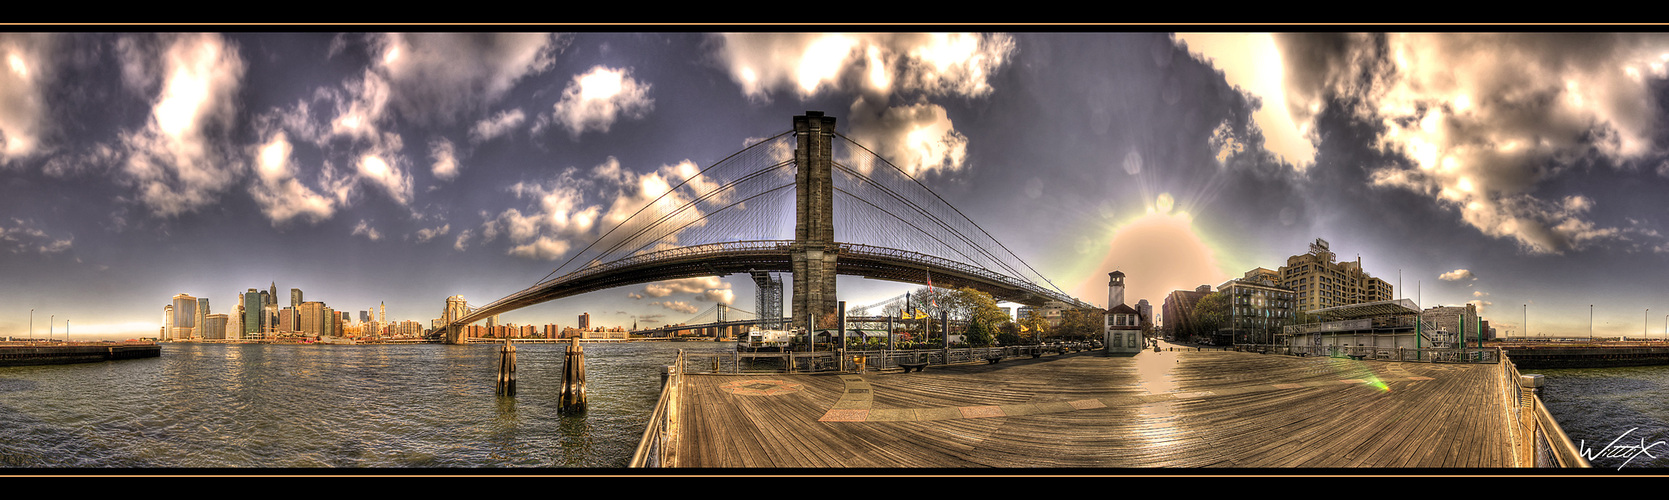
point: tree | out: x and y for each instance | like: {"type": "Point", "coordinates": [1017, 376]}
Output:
{"type": "Point", "coordinates": [1209, 314]}
{"type": "Point", "coordinates": [1081, 324]}
{"type": "Point", "coordinates": [1034, 328]}
{"type": "Point", "coordinates": [978, 335]}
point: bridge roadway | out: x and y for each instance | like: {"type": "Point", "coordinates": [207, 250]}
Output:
{"type": "Point", "coordinates": [1168, 409]}
{"type": "Point", "coordinates": [720, 259]}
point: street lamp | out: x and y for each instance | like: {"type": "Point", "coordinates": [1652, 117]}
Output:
{"type": "Point", "coordinates": [1590, 322]}
{"type": "Point", "coordinates": [32, 323]}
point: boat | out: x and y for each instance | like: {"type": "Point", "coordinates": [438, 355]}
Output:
{"type": "Point", "coordinates": [765, 340]}
{"type": "Point", "coordinates": [325, 339]}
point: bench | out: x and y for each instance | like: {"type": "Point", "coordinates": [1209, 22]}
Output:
{"type": "Point", "coordinates": [912, 366]}
{"type": "Point", "coordinates": [1357, 357]}
{"type": "Point", "coordinates": [993, 359]}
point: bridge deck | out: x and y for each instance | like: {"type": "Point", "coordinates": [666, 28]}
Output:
{"type": "Point", "coordinates": [1167, 409]}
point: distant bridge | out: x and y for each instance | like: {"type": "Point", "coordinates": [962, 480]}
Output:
{"type": "Point", "coordinates": [730, 217]}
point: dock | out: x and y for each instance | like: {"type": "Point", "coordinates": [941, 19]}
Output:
{"type": "Point", "coordinates": [57, 353]}
{"type": "Point", "coordinates": [1173, 408]}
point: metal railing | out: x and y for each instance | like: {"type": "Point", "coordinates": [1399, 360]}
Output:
{"type": "Point", "coordinates": [861, 360]}
{"type": "Point", "coordinates": [1539, 434]}
{"type": "Point", "coordinates": [1490, 355]}
{"type": "Point", "coordinates": [657, 448]}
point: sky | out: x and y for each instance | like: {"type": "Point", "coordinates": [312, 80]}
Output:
{"type": "Point", "coordinates": [1521, 172]}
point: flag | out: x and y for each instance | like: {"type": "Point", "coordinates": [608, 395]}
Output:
{"type": "Point", "coordinates": [930, 293]}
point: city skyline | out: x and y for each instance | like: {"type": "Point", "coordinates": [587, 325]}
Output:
{"type": "Point", "coordinates": [403, 169]}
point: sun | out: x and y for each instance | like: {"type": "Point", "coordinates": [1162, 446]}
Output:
{"type": "Point", "coordinates": [1158, 252]}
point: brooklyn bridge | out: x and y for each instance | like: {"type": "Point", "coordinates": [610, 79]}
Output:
{"type": "Point", "coordinates": [732, 216]}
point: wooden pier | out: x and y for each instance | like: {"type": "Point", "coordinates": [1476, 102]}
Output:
{"type": "Point", "coordinates": [1175, 408]}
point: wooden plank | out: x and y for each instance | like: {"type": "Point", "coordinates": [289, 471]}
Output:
{"type": "Point", "coordinates": [1221, 409]}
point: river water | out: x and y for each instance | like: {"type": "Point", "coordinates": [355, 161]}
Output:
{"type": "Point", "coordinates": [306, 406]}
{"type": "Point", "coordinates": [1615, 407]}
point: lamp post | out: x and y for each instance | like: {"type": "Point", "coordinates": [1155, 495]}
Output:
{"type": "Point", "coordinates": [32, 323]}
{"type": "Point", "coordinates": [1590, 322]}
{"type": "Point", "coordinates": [49, 320]}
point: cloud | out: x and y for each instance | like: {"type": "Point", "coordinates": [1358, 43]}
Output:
{"type": "Point", "coordinates": [366, 229]}
{"type": "Point", "coordinates": [594, 100]}
{"type": "Point", "coordinates": [1486, 121]}
{"type": "Point", "coordinates": [877, 69]}
{"type": "Point", "coordinates": [709, 288]}
{"type": "Point", "coordinates": [25, 74]}
{"type": "Point", "coordinates": [436, 78]}
{"type": "Point", "coordinates": [634, 295]}
{"type": "Point", "coordinates": [427, 234]}
{"type": "Point", "coordinates": [806, 64]}
{"type": "Point", "coordinates": [1480, 304]}
{"type": "Point", "coordinates": [390, 177]}
{"type": "Point", "coordinates": [917, 138]}
{"type": "Point", "coordinates": [445, 166]}
{"type": "Point", "coordinates": [1456, 275]}
{"type": "Point", "coordinates": [176, 161]}
{"type": "Point", "coordinates": [280, 196]}
{"type": "Point", "coordinates": [1245, 60]}
{"type": "Point", "coordinates": [499, 124]}
{"type": "Point", "coordinates": [558, 217]}
{"type": "Point", "coordinates": [463, 240]}
{"type": "Point", "coordinates": [23, 237]}
{"type": "Point", "coordinates": [677, 305]}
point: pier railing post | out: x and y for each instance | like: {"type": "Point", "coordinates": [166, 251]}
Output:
{"type": "Point", "coordinates": [573, 379]}
{"type": "Point", "coordinates": [507, 369]}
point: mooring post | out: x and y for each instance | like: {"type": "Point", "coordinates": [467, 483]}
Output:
{"type": "Point", "coordinates": [573, 379]}
{"type": "Point", "coordinates": [507, 369]}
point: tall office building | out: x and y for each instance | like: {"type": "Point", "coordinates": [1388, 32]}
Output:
{"type": "Point", "coordinates": [202, 317]}
{"type": "Point", "coordinates": [1320, 281]}
{"type": "Point", "coordinates": [185, 316]}
{"type": "Point", "coordinates": [252, 314]}
{"type": "Point", "coordinates": [585, 321]}
{"type": "Point", "coordinates": [272, 293]}
{"type": "Point", "coordinates": [312, 318]}
{"type": "Point", "coordinates": [167, 322]}
{"type": "Point", "coordinates": [214, 326]}
{"type": "Point", "coordinates": [295, 297]}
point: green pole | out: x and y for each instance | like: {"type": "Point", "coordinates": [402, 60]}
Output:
{"type": "Point", "coordinates": [1462, 327]}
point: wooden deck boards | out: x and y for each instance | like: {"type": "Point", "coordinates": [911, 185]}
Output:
{"type": "Point", "coordinates": [1168, 409]}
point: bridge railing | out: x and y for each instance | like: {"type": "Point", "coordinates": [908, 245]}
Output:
{"type": "Point", "coordinates": [660, 437]}
{"type": "Point", "coordinates": [906, 255]}
{"type": "Point", "coordinates": [1538, 435]}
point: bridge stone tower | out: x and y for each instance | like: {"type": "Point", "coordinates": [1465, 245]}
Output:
{"type": "Point", "coordinates": [814, 253]}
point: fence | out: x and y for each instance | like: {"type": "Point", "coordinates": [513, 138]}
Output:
{"type": "Point", "coordinates": [861, 360]}
{"type": "Point", "coordinates": [1437, 355]}
{"type": "Point", "coordinates": [1538, 434]}
{"type": "Point", "coordinates": [657, 448]}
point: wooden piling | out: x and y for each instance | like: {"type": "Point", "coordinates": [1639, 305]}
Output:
{"type": "Point", "coordinates": [573, 379]}
{"type": "Point", "coordinates": [507, 369]}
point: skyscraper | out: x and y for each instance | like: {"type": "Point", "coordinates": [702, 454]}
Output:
{"type": "Point", "coordinates": [200, 329]}
{"type": "Point", "coordinates": [585, 321]}
{"type": "Point", "coordinates": [185, 316]}
{"type": "Point", "coordinates": [295, 297]}
{"type": "Point", "coordinates": [252, 314]}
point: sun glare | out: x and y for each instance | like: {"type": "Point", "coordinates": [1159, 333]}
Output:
{"type": "Point", "coordinates": [1160, 251]}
